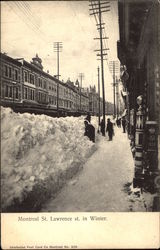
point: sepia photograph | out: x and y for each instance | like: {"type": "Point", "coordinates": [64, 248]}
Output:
{"type": "Point", "coordinates": [80, 112]}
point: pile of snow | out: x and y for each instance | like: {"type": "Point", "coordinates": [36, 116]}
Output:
{"type": "Point", "coordinates": [37, 146]}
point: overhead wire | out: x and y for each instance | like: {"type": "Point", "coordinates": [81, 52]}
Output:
{"type": "Point", "coordinates": [29, 14]}
{"type": "Point", "coordinates": [104, 41]}
{"type": "Point", "coordinates": [25, 18]}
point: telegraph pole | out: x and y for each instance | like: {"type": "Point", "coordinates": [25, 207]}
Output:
{"type": "Point", "coordinates": [114, 88]}
{"type": "Point", "coordinates": [98, 97]}
{"type": "Point", "coordinates": [97, 8]}
{"type": "Point", "coordinates": [117, 98]}
{"type": "Point", "coordinates": [113, 65]}
{"type": "Point", "coordinates": [81, 75]}
{"type": "Point", "coordinates": [58, 48]}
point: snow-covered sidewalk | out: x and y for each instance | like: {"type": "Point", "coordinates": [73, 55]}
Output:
{"type": "Point", "coordinates": [104, 183]}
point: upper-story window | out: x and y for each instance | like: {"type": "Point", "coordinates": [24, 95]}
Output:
{"type": "Point", "coordinates": [10, 72]}
{"type": "Point", "coordinates": [31, 78]}
{"type": "Point", "coordinates": [5, 70]}
{"type": "Point", "coordinates": [40, 82]}
{"type": "Point", "coordinates": [16, 74]}
{"type": "Point", "coordinates": [44, 85]}
{"type": "Point", "coordinates": [25, 76]}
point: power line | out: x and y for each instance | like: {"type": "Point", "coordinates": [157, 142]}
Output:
{"type": "Point", "coordinates": [25, 18]}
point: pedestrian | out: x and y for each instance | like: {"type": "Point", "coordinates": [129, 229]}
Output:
{"type": "Point", "coordinates": [89, 131]}
{"type": "Point", "coordinates": [119, 122]}
{"type": "Point", "coordinates": [102, 125]}
{"type": "Point", "coordinates": [109, 129]}
{"type": "Point", "coordinates": [124, 124]}
{"type": "Point", "coordinates": [88, 117]}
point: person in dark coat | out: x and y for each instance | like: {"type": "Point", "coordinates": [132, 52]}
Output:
{"type": "Point", "coordinates": [109, 129]}
{"type": "Point", "coordinates": [88, 117]}
{"type": "Point", "coordinates": [119, 122]}
{"type": "Point", "coordinates": [102, 125]}
{"type": "Point", "coordinates": [89, 131]}
{"type": "Point", "coordinates": [124, 124]}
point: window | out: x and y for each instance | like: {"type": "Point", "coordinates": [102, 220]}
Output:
{"type": "Point", "coordinates": [49, 99]}
{"type": "Point", "coordinates": [31, 78]}
{"type": "Point", "coordinates": [40, 82]}
{"type": "Point", "coordinates": [44, 84]}
{"type": "Point", "coordinates": [16, 96]}
{"type": "Point", "coordinates": [25, 76]}
{"type": "Point", "coordinates": [32, 93]}
{"type": "Point", "coordinates": [6, 91]}
{"type": "Point", "coordinates": [5, 70]}
{"type": "Point", "coordinates": [10, 72]}
{"type": "Point", "coordinates": [16, 74]}
{"type": "Point", "coordinates": [10, 92]}
{"type": "Point", "coordinates": [26, 93]}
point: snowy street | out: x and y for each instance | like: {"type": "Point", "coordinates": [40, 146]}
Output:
{"type": "Point", "coordinates": [49, 165]}
{"type": "Point", "coordinates": [103, 183]}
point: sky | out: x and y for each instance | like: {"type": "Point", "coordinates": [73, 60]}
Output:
{"type": "Point", "coordinates": [30, 27]}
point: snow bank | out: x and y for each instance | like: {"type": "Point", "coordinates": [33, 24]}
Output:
{"type": "Point", "coordinates": [38, 147]}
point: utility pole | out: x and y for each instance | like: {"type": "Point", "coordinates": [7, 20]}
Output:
{"type": "Point", "coordinates": [113, 66]}
{"type": "Point", "coordinates": [58, 48]}
{"type": "Point", "coordinates": [97, 8]}
{"type": "Point", "coordinates": [98, 97]}
{"type": "Point", "coordinates": [81, 75]}
{"type": "Point", "coordinates": [114, 88]}
{"type": "Point", "coordinates": [117, 98]}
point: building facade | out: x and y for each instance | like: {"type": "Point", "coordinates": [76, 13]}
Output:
{"type": "Point", "coordinates": [139, 54]}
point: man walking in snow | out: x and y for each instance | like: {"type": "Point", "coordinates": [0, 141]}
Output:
{"type": "Point", "coordinates": [109, 129]}
{"type": "Point", "coordinates": [89, 131]}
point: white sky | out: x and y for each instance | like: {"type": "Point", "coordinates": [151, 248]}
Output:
{"type": "Point", "coordinates": [30, 27]}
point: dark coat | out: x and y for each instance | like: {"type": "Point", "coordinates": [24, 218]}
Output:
{"type": "Point", "coordinates": [123, 122]}
{"type": "Point", "coordinates": [102, 125]}
{"type": "Point", "coordinates": [109, 128]}
{"type": "Point", "coordinates": [90, 131]}
{"type": "Point", "coordinates": [88, 118]}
